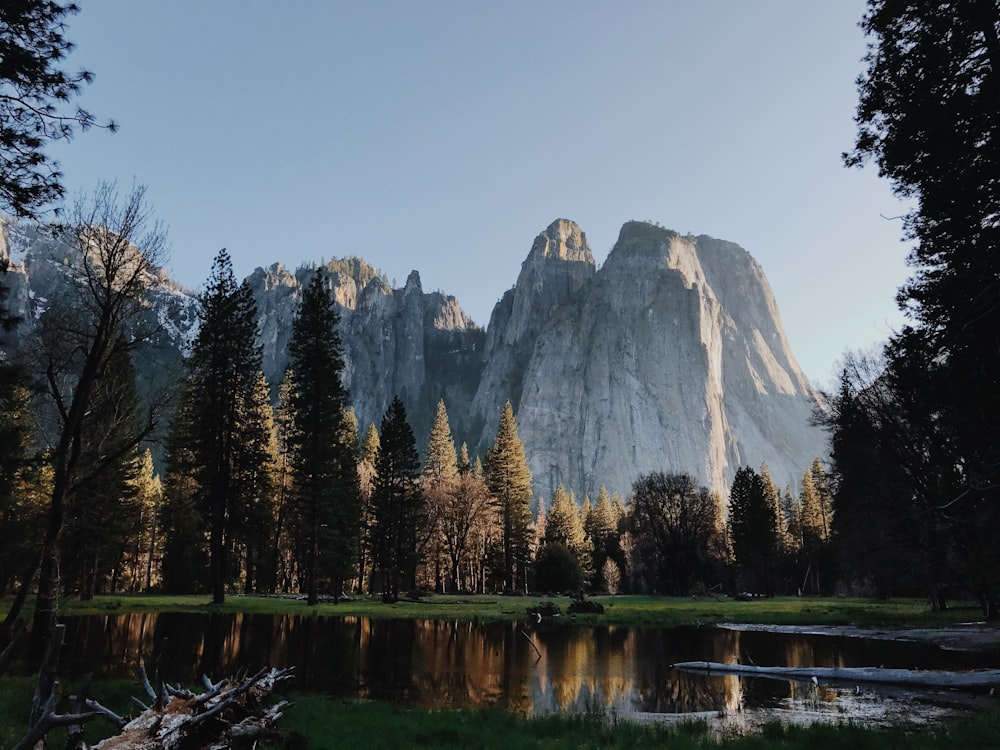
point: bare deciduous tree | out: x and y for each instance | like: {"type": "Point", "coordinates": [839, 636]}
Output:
{"type": "Point", "coordinates": [112, 251]}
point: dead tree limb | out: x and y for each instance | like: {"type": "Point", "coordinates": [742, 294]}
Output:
{"type": "Point", "coordinates": [16, 631]}
{"type": "Point", "coordinates": [229, 714]}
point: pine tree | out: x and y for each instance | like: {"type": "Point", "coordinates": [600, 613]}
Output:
{"type": "Point", "coordinates": [145, 542]}
{"type": "Point", "coordinates": [564, 525]}
{"type": "Point", "coordinates": [815, 533]}
{"type": "Point", "coordinates": [752, 529]}
{"type": "Point", "coordinates": [326, 485]}
{"type": "Point", "coordinates": [793, 520]}
{"type": "Point", "coordinates": [618, 507]}
{"type": "Point", "coordinates": [23, 485]}
{"type": "Point", "coordinates": [397, 505]}
{"type": "Point", "coordinates": [224, 365]}
{"type": "Point", "coordinates": [183, 525]}
{"type": "Point", "coordinates": [255, 477]}
{"type": "Point", "coordinates": [282, 547]}
{"type": "Point", "coordinates": [509, 480]}
{"type": "Point", "coordinates": [772, 498]}
{"type": "Point", "coordinates": [370, 445]}
{"type": "Point", "coordinates": [350, 435]}
{"type": "Point", "coordinates": [36, 94]}
{"type": "Point", "coordinates": [366, 472]}
{"type": "Point", "coordinates": [601, 528]}
{"type": "Point", "coordinates": [821, 484]}
{"type": "Point", "coordinates": [541, 525]}
{"type": "Point", "coordinates": [464, 465]}
{"type": "Point", "coordinates": [441, 462]}
{"type": "Point", "coordinates": [439, 481]}
{"type": "Point", "coordinates": [813, 527]}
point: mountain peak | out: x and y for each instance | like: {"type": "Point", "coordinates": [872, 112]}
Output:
{"type": "Point", "coordinates": [564, 240]}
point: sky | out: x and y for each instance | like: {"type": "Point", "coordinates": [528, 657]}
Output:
{"type": "Point", "coordinates": [444, 135]}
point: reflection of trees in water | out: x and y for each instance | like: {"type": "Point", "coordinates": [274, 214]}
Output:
{"type": "Point", "coordinates": [441, 664]}
{"type": "Point", "coordinates": [108, 646]}
{"type": "Point", "coordinates": [666, 690]}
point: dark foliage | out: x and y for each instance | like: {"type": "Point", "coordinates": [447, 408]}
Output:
{"type": "Point", "coordinates": [752, 531]}
{"type": "Point", "coordinates": [185, 554]}
{"type": "Point", "coordinates": [224, 366]}
{"type": "Point", "coordinates": [102, 515]}
{"type": "Point", "coordinates": [327, 494]}
{"type": "Point", "coordinates": [557, 569]}
{"type": "Point", "coordinates": [35, 96]}
{"type": "Point", "coordinates": [928, 118]}
{"type": "Point", "coordinates": [681, 521]}
{"type": "Point", "coordinates": [397, 505]}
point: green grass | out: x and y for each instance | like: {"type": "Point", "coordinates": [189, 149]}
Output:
{"type": "Point", "coordinates": [320, 722]}
{"type": "Point", "coordinates": [317, 722]}
{"type": "Point", "coordinates": [15, 705]}
{"type": "Point", "coordinates": [637, 611]}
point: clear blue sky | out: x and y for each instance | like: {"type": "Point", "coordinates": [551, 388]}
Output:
{"type": "Point", "coordinates": [443, 136]}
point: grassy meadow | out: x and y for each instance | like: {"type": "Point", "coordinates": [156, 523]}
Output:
{"type": "Point", "coordinates": [321, 722]}
{"type": "Point", "coordinates": [635, 611]}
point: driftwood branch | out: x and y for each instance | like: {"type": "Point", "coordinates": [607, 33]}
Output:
{"type": "Point", "coordinates": [229, 714]}
{"type": "Point", "coordinates": [874, 675]}
{"type": "Point", "coordinates": [107, 713]}
{"type": "Point", "coordinates": [525, 634]}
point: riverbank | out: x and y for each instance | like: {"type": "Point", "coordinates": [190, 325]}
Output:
{"type": "Point", "coordinates": [322, 723]}
{"type": "Point", "coordinates": [319, 722]}
{"type": "Point", "coordinates": [631, 611]}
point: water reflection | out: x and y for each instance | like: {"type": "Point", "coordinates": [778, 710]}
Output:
{"type": "Point", "coordinates": [526, 668]}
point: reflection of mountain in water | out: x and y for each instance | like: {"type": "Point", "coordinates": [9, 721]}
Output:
{"type": "Point", "coordinates": [452, 664]}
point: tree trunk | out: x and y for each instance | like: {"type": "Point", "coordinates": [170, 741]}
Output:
{"type": "Point", "coordinates": [152, 551]}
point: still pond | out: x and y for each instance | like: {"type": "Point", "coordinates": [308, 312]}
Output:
{"type": "Point", "coordinates": [526, 667]}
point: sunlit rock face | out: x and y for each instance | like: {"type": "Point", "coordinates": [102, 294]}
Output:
{"type": "Point", "coordinates": [419, 346]}
{"type": "Point", "coordinates": [558, 265]}
{"type": "Point", "coordinates": [671, 357]}
{"type": "Point", "coordinates": [41, 273]}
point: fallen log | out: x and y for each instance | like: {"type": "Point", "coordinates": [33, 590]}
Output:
{"type": "Point", "coordinates": [229, 714]}
{"type": "Point", "coordinates": [872, 675]}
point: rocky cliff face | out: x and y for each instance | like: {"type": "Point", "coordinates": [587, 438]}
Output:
{"type": "Point", "coordinates": [558, 265]}
{"type": "Point", "coordinates": [670, 357]}
{"type": "Point", "coordinates": [403, 342]}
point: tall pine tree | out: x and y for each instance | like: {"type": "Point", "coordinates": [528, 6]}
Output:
{"type": "Point", "coordinates": [182, 520]}
{"type": "Point", "coordinates": [224, 366]}
{"type": "Point", "coordinates": [397, 505]}
{"type": "Point", "coordinates": [752, 529]}
{"type": "Point", "coordinates": [509, 480]}
{"type": "Point", "coordinates": [326, 490]}
{"type": "Point", "coordinates": [441, 463]}
{"type": "Point", "coordinates": [255, 478]}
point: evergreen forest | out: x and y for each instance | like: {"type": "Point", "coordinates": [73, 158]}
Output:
{"type": "Point", "coordinates": [274, 487]}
